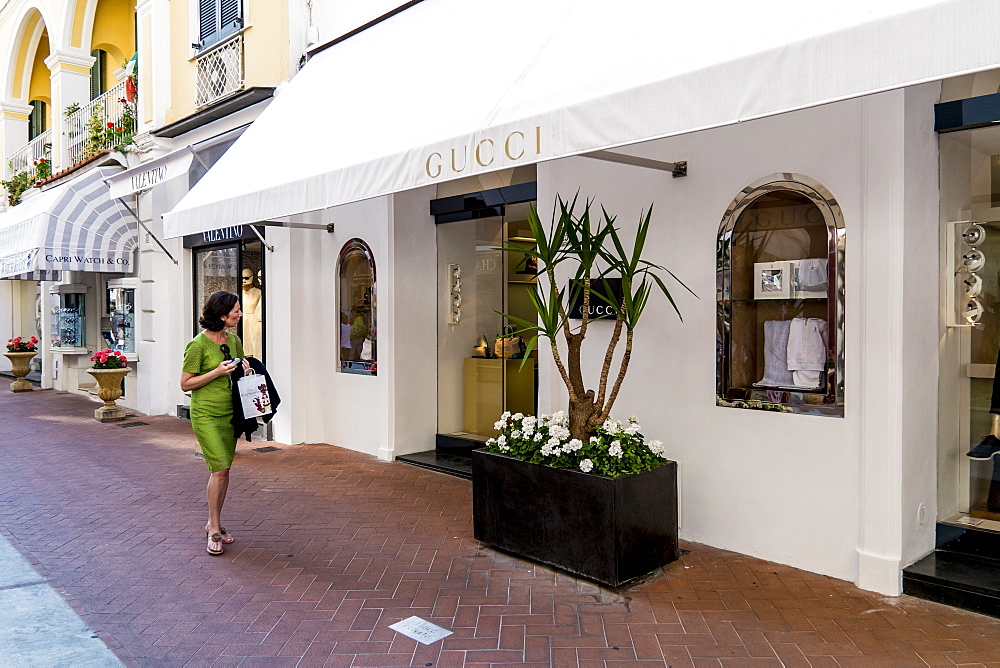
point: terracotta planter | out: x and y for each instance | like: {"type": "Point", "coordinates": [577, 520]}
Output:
{"type": "Point", "coordinates": [109, 382]}
{"type": "Point", "coordinates": [19, 367]}
{"type": "Point", "coordinates": [610, 530]}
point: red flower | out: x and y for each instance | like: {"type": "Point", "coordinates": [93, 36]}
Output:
{"type": "Point", "coordinates": [41, 160]}
{"type": "Point", "coordinates": [110, 124]}
{"type": "Point", "coordinates": [118, 129]}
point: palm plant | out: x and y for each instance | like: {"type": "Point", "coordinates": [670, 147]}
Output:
{"type": "Point", "coordinates": [597, 253]}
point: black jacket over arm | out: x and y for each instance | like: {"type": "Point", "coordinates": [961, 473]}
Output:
{"type": "Point", "coordinates": [243, 425]}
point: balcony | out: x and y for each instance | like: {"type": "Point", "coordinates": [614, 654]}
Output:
{"type": "Point", "coordinates": [220, 72]}
{"type": "Point", "coordinates": [25, 170]}
{"type": "Point", "coordinates": [105, 123]}
{"type": "Point", "coordinates": [24, 158]}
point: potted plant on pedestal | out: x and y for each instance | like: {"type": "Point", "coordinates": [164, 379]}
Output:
{"type": "Point", "coordinates": [20, 351]}
{"type": "Point", "coordinates": [109, 370]}
{"type": "Point", "coordinates": [578, 489]}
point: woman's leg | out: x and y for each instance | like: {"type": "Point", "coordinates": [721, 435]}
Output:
{"type": "Point", "coordinates": [218, 484]}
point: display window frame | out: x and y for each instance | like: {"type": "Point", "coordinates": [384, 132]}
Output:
{"type": "Point", "coordinates": [828, 398]}
{"type": "Point", "coordinates": [68, 312]}
{"type": "Point", "coordinates": [238, 240]}
{"type": "Point", "coordinates": [360, 366]}
{"type": "Point", "coordinates": [130, 284]}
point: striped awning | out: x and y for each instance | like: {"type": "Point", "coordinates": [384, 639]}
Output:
{"type": "Point", "coordinates": [75, 226]}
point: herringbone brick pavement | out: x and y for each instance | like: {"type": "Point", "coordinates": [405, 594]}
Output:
{"type": "Point", "coordinates": [334, 546]}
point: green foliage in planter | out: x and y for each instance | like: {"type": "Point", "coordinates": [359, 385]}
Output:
{"type": "Point", "coordinates": [43, 169]}
{"type": "Point", "coordinates": [94, 128]}
{"type": "Point", "coordinates": [591, 251]}
{"type": "Point", "coordinates": [17, 185]}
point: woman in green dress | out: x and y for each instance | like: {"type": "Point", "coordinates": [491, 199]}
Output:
{"type": "Point", "coordinates": [209, 358]}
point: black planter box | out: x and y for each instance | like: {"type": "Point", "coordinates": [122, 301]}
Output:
{"type": "Point", "coordinates": [610, 530]}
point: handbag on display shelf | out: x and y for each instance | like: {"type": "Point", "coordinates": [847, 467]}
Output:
{"type": "Point", "coordinates": [254, 396]}
{"type": "Point", "coordinates": [509, 346]}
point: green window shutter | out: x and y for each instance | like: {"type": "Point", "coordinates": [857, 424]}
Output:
{"type": "Point", "coordinates": [97, 73]}
{"type": "Point", "coordinates": [36, 119]}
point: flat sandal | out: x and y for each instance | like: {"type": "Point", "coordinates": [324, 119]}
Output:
{"type": "Point", "coordinates": [214, 538]}
{"type": "Point", "coordinates": [226, 538]}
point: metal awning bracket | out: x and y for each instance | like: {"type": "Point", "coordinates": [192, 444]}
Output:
{"type": "Point", "coordinates": [261, 237]}
{"type": "Point", "coordinates": [328, 227]}
{"type": "Point", "coordinates": [148, 231]}
{"type": "Point", "coordinates": [677, 169]}
{"type": "Point", "coordinates": [197, 157]}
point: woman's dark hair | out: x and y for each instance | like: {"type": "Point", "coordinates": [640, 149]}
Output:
{"type": "Point", "coordinates": [217, 307]}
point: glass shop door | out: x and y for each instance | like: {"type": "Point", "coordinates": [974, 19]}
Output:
{"type": "Point", "coordinates": [481, 374]}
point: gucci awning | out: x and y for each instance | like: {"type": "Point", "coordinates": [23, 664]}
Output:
{"type": "Point", "coordinates": [447, 89]}
{"type": "Point", "coordinates": [75, 226]}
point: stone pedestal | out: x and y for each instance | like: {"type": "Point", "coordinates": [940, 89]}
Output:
{"type": "Point", "coordinates": [109, 382]}
{"type": "Point", "coordinates": [19, 367]}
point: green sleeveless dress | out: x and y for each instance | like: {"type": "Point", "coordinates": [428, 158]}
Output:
{"type": "Point", "coordinates": [212, 403]}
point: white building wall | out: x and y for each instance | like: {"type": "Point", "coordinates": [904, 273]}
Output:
{"type": "Point", "coordinates": [320, 404]}
{"type": "Point", "coordinates": [813, 492]}
{"type": "Point", "coordinates": [409, 326]}
{"type": "Point", "coordinates": [923, 324]}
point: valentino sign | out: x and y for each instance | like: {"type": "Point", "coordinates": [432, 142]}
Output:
{"type": "Point", "coordinates": [148, 178]}
{"type": "Point", "coordinates": [511, 148]}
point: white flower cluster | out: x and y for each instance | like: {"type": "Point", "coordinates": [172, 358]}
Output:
{"type": "Point", "coordinates": [552, 434]}
{"type": "Point", "coordinates": [616, 449]}
{"type": "Point", "coordinates": [500, 442]}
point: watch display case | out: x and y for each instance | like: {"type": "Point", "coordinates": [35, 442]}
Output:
{"type": "Point", "coordinates": [68, 320]}
{"type": "Point", "coordinates": [780, 299]}
{"type": "Point", "coordinates": [118, 319]}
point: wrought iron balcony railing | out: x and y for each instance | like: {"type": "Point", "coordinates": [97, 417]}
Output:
{"type": "Point", "coordinates": [220, 72]}
{"type": "Point", "coordinates": [26, 158]}
{"type": "Point", "coordinates": [107, 122]}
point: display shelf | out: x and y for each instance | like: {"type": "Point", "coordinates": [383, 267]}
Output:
{"type": "Point", "coordinates": [524, 240]}
{"type": "Point", "coordinates": [783, 299]}
{"type": "Point", "coordinates": [816, 395]}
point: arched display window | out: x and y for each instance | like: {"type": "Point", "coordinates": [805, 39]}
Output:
{"type": "Point", "coordinates": [780, 299]}
{"type": "Point", "coordinates": [357, 302]}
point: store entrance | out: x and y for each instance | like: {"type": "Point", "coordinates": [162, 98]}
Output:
{"type": "Point", "coordinates": [483, 367]}
{"type": "Point", "coordinates": [481, 370]}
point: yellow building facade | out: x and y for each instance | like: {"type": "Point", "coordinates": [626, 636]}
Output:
{"type": "Point", "coordinates": [110, 86]}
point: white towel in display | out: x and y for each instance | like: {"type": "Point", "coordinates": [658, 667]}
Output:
{"type": "Point", "coordinates": [776, 373]}
{"type": "Point", "coordinates": [806, 352]}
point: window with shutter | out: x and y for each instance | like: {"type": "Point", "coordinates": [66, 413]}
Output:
{"type": "Point", "coordinates": [97, 73]}
{"type": "Point", "coordinates": [217, 19]}
{"type": "Point", "coordinates": [36, 119]}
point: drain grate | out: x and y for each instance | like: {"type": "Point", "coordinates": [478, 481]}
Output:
{"type": "Point", "coordinates": [266, 448]}
{"type": "Point", "coordinates": [132, 424]}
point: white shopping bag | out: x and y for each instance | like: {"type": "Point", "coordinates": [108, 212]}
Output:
{"type": "Point", "coordinates": [253, 395]}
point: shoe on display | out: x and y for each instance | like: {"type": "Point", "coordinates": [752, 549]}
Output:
{"type": "Point", "coordinates": [987, 448]}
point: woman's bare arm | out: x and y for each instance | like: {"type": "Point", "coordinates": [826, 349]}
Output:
{"type": "Point", "coordinates": [192, 381]}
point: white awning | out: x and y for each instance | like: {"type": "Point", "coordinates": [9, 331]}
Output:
{"type": "Point", "coordinates": [451, 88]}
{"type": "Point", "coordinates": [149, 174]}
{"type": "Point", "coordinates": [75, 226]}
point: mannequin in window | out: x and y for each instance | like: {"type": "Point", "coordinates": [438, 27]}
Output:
{"type": "Point", "coordinates": [251, 316]}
